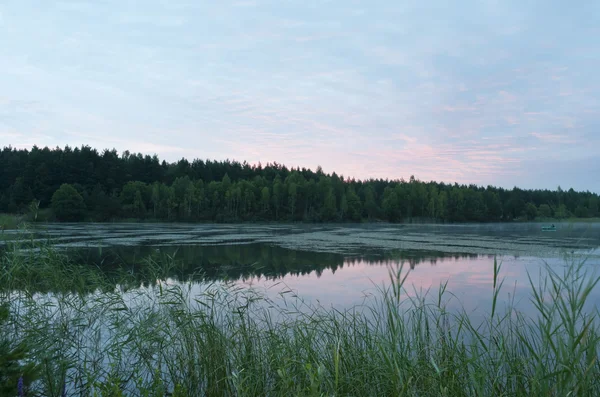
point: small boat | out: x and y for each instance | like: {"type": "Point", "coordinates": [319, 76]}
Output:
{"type": "Point", "coordinates": [549, 228]}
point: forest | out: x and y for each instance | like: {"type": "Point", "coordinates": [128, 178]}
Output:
{"type": "Point", "coordinates": [83, 184]}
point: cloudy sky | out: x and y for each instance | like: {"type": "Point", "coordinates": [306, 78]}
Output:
{"type": "Point", "coordinates": [487, 92]}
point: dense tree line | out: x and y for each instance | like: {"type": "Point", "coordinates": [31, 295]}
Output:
{"type": "Point", "coordinates": [82, 183]}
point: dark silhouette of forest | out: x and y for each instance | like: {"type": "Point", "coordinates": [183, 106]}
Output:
{"type": "Point", "coordinates": [76, 184]}
{"type": "Point", "coordinates": [128, 266]}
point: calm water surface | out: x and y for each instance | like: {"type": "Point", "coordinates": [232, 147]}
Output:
{"type": "Point", "coordinates": [339, 265]}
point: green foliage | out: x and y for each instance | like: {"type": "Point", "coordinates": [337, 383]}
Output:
{"type": "Point", "coordinates": [134, 197]}
{"type": "Point", "coordinates": [493, 205]}
{"type": "Point", "coordinates": [391, 204]}
{"type": "Point", "coordinates": [561, 212]}
{"type": "Point", "coordinates": [292, 198]}
{"type": "Point", "coordinates": [21, 194]}
{"type": "Point", "coordinates": [9, 221]}
{"type": "Point", "coordinates": [582, 212]}
{"type": "Point", "coordinates": [354, 205]}
{"type": "Point", "coordinates": [132, 186]}
{"type": "Point", "coordinates": [343, 207]}
{"type": "Point", "coordinates": [277, 195]}
{"type": "Point", "coordinates": [265, 201]}
{"type": "Point", "coordinates": [594, 206]}
{"type": "Point", "coordinates": [531, 211]}
{"type": "Point", "coordinates": [371, 207]}
{"type": "Point", "coordinates": [67, 204]}
{"type": "Point", "coordinates": [329, 211]}
{"type": "Point", "coordinates": [34, 210]}
{"type": "Point", "coordinates": [545, 211]}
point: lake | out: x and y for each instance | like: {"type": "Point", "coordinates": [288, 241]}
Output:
{"type": "Point", "coordinates": [337, 265]}
{"type": "Point", "coordinates": [172, 302]}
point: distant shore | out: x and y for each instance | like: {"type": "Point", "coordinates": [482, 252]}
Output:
{"type": "Point", "coordinates": [14, 221]}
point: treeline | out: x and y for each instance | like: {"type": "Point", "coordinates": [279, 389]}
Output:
{"type": "Point", "coordinates": [84, 184]}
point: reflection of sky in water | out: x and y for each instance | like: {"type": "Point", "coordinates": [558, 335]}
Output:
{"type": "Point", "coordinates": [470, 281]}
{"type": "Point", "coordinates": [355, 281]}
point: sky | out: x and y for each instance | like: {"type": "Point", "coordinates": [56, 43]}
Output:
{"type": "Point", "coordinates": [487, 92]}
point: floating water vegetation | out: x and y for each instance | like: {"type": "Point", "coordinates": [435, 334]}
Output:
{"type": "Point", "coordinates": [84, 336]}
{"type": "Point", "coordinates": [496, 239]}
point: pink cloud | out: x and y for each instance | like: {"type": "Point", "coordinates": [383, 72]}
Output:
{"type": "Point", "coordinates": [441, 162]}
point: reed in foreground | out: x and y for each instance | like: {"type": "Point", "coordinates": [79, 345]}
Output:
{"type": "Point", "coordinates": [83, 336]}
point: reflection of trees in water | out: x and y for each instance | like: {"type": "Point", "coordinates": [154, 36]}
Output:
{"type": "Point", "coordinates": [222, 262]}
{"type": "Point", "coordinates": [130, 267]}
{"type": "Point", "coordinates": [414, 258]}
{"type": "Point", "coordinates": [242, 262]}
